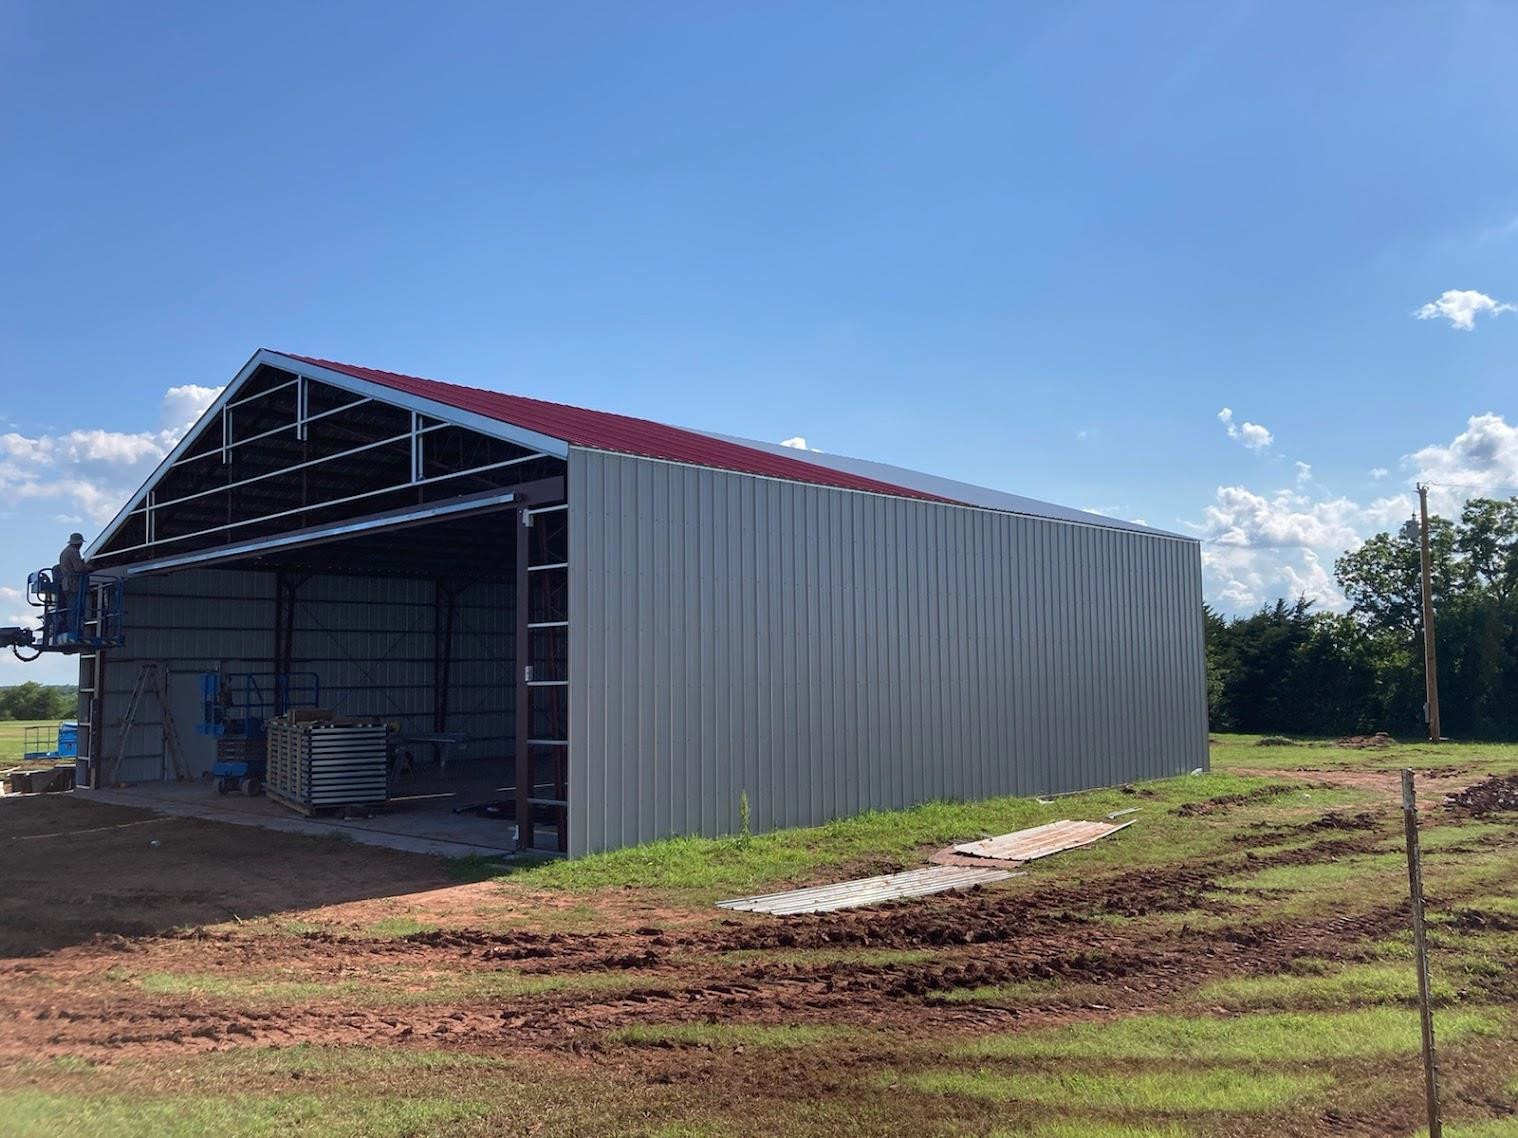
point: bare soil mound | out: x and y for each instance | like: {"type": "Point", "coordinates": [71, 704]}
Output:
{"type": "Point", "coordinates": [1490, 795]}
{"type": "Point", "coordinates": [1365, 742]}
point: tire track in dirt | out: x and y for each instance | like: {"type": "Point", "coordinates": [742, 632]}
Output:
{"type": "Point", "coordinates": [56, 1004]}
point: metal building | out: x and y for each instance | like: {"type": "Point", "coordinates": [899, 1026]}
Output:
{"type": "Point", "coordinates": [635, 624]}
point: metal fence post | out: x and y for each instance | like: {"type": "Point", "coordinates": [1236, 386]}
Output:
{"type": "Point", "coordinates": [1420, 946]}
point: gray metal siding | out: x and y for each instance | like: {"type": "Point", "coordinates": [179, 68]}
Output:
{"type": "Point", "coordinates": [828, 651]}
{"type": "Point", "coordinates": [369, 640]}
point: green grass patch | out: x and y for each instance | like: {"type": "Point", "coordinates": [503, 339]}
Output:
{"type": "Point", "coordinates": [1260, 1038]}
{"type": "Point", "coordinates": [1358, 985]}
{"type": "Point", "coordinates": [480, 867]}
{"type": "Point", "coordinates": [246, 989]}
{"type": "Point", "coordinates": [1180, 1092]}
{"type": "Point", "coordinates": [1504, 905]}
{"type": "Point", "coordinates": [400, 987]}
{"type": "Point", "coordinates": [1433, 839]}
{"type": "Point", "coordinates": [1053, 992]}
{"type": "Point", "coordinates": [314, 1059]}
{"type": "Point", "coordinates": [1242, 753]}
{"type": "Point", "coordinates": [1012, 991]}
{"type": "Point", "coordinates": [1484, 1128]}
{"type": "Point", "coordinates": [727, 1035]}
{"type": "Point", "coordinates": [881, 840]}
{"type": "Point", "coordinates": [392, 927]}
{"type": "Point", "coordinates": [1318, 875]}
{"type": "Point", "coordinates": [13, 741]}
{"type": "Point", "coordinates": [35, 1114]}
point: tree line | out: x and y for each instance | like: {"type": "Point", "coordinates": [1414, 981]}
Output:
{"type": "Point", "coordinates": [1291, 669]}
{"type": "Point", "coordinates": [32, 700]}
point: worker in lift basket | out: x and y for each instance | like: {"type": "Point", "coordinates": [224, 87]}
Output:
{"type": "Point", "coordinates": [71, 569]}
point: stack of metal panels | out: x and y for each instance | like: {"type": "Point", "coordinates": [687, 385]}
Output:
{"type": "Point", "coordinates": [316, 765]}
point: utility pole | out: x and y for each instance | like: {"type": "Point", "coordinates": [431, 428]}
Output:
{"type": "Point", "coordinates": [1430, 660]}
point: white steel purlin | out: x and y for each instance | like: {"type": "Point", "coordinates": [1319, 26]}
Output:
{"type": "Point", "coordinates": [415, 437]}
{"type": "Point", "coordinates": [307, 508]}
{"type": "Point", "coordinates": [232, 444]}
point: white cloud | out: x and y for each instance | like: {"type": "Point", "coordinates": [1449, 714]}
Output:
{"type": "Point", "coordinates": [797, 443]}
{"type": "Point", "coordinates": [88, 472]}
{"type": "Point", "coordinates": [1252, 435]}
{"type": "Point", "coordinates": [1314, 581]}
{"type": "Point", "coordinates": [184, 404]}
{"type": "Point", "coordinates": [1481, 461]}
{"type": "Point", "coordinates": [1241, 517]}
{"type": "Point", "coordinates": [1234, 573]}
{"type": "Point", "coordinates": [1389, 512]}
{"type": "Point", "coordinates": [1461, 306]}
{"type": "Point", "coordinates": [1261, 545]}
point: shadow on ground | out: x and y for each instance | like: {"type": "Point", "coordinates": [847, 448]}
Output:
{"type": "Point", "coordinates": [74, 869]}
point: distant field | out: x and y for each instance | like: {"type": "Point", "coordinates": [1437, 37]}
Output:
{"type": "Point", "coordinates": [13, 735]}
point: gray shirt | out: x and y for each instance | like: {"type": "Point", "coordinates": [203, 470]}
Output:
{"type": "Point", "coordinates": [71, 566]}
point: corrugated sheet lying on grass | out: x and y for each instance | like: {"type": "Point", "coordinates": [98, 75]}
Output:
{"type": "Point", "coordinates": [868, 890]}
{"type": "Point", "coordinates": [1040, 841]}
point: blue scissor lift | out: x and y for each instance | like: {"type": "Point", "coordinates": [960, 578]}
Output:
{"type": "Point", "coordinates": [238, 706]}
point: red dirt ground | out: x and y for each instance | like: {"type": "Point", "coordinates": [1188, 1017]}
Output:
{"type": "Point", "coordinates": [75, 1001]}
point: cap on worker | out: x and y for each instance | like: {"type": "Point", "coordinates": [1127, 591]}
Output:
{"type": "Point", "coordinates": [76, 539]}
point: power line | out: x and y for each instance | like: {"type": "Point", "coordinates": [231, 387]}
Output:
{"type": "Point", "coordinates": [1509, 489]}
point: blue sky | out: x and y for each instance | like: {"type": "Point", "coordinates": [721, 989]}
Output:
{"type": "Point", "coordinates": [1037, 247]}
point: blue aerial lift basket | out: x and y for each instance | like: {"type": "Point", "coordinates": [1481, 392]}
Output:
{"type": "Point", "coordinates": [86, 621]}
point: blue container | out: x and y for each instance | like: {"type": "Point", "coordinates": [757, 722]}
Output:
{"type": "Point", "coordinates": [68, 739]}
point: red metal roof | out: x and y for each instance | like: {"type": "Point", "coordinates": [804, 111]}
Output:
{"type": "Point", "coordinates": [623, 434]}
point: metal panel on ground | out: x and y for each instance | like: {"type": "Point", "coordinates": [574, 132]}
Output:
{"type": "Point", "coordinates": [822, 651]}
{"type": "Point", "coordinates": [868, 890]}
{"type": "Point", "coordinates": [1040, 841]}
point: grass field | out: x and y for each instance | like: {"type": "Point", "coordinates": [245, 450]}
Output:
{"type": "Point", "coordinates": [1238, 962]}
{"type": "Point", "coordinates": [12, 737]}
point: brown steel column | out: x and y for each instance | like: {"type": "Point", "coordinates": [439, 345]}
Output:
{"type": "Point", "coordinates": [524, 673]}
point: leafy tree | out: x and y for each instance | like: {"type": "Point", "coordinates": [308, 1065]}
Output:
{"type": "Point", "coordinates": [1289, 669]}
{"type": "Point", "coordinates": [1488, 540]}
{"type": "Point", "coordinates": [32, 700]}
{"type": "Point", "coordinates": [1383, 580]}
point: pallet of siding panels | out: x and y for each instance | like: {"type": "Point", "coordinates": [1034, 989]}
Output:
{"type": "Point", "coordinates": [323, 764]}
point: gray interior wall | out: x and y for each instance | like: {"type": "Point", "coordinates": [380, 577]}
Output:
{"type": "Point", "coordinates": [827, 651]}
{"type": "Point", "coordinates": [369, 640]}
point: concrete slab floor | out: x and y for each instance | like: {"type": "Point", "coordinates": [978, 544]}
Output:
{"type": "Point", "coordinates": [424, 824]}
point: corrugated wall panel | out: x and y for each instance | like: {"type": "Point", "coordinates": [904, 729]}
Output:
{"type": "Point", "coordinates": [828, 651]}
{"type": "Point", "coordinates": [369, 640]}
